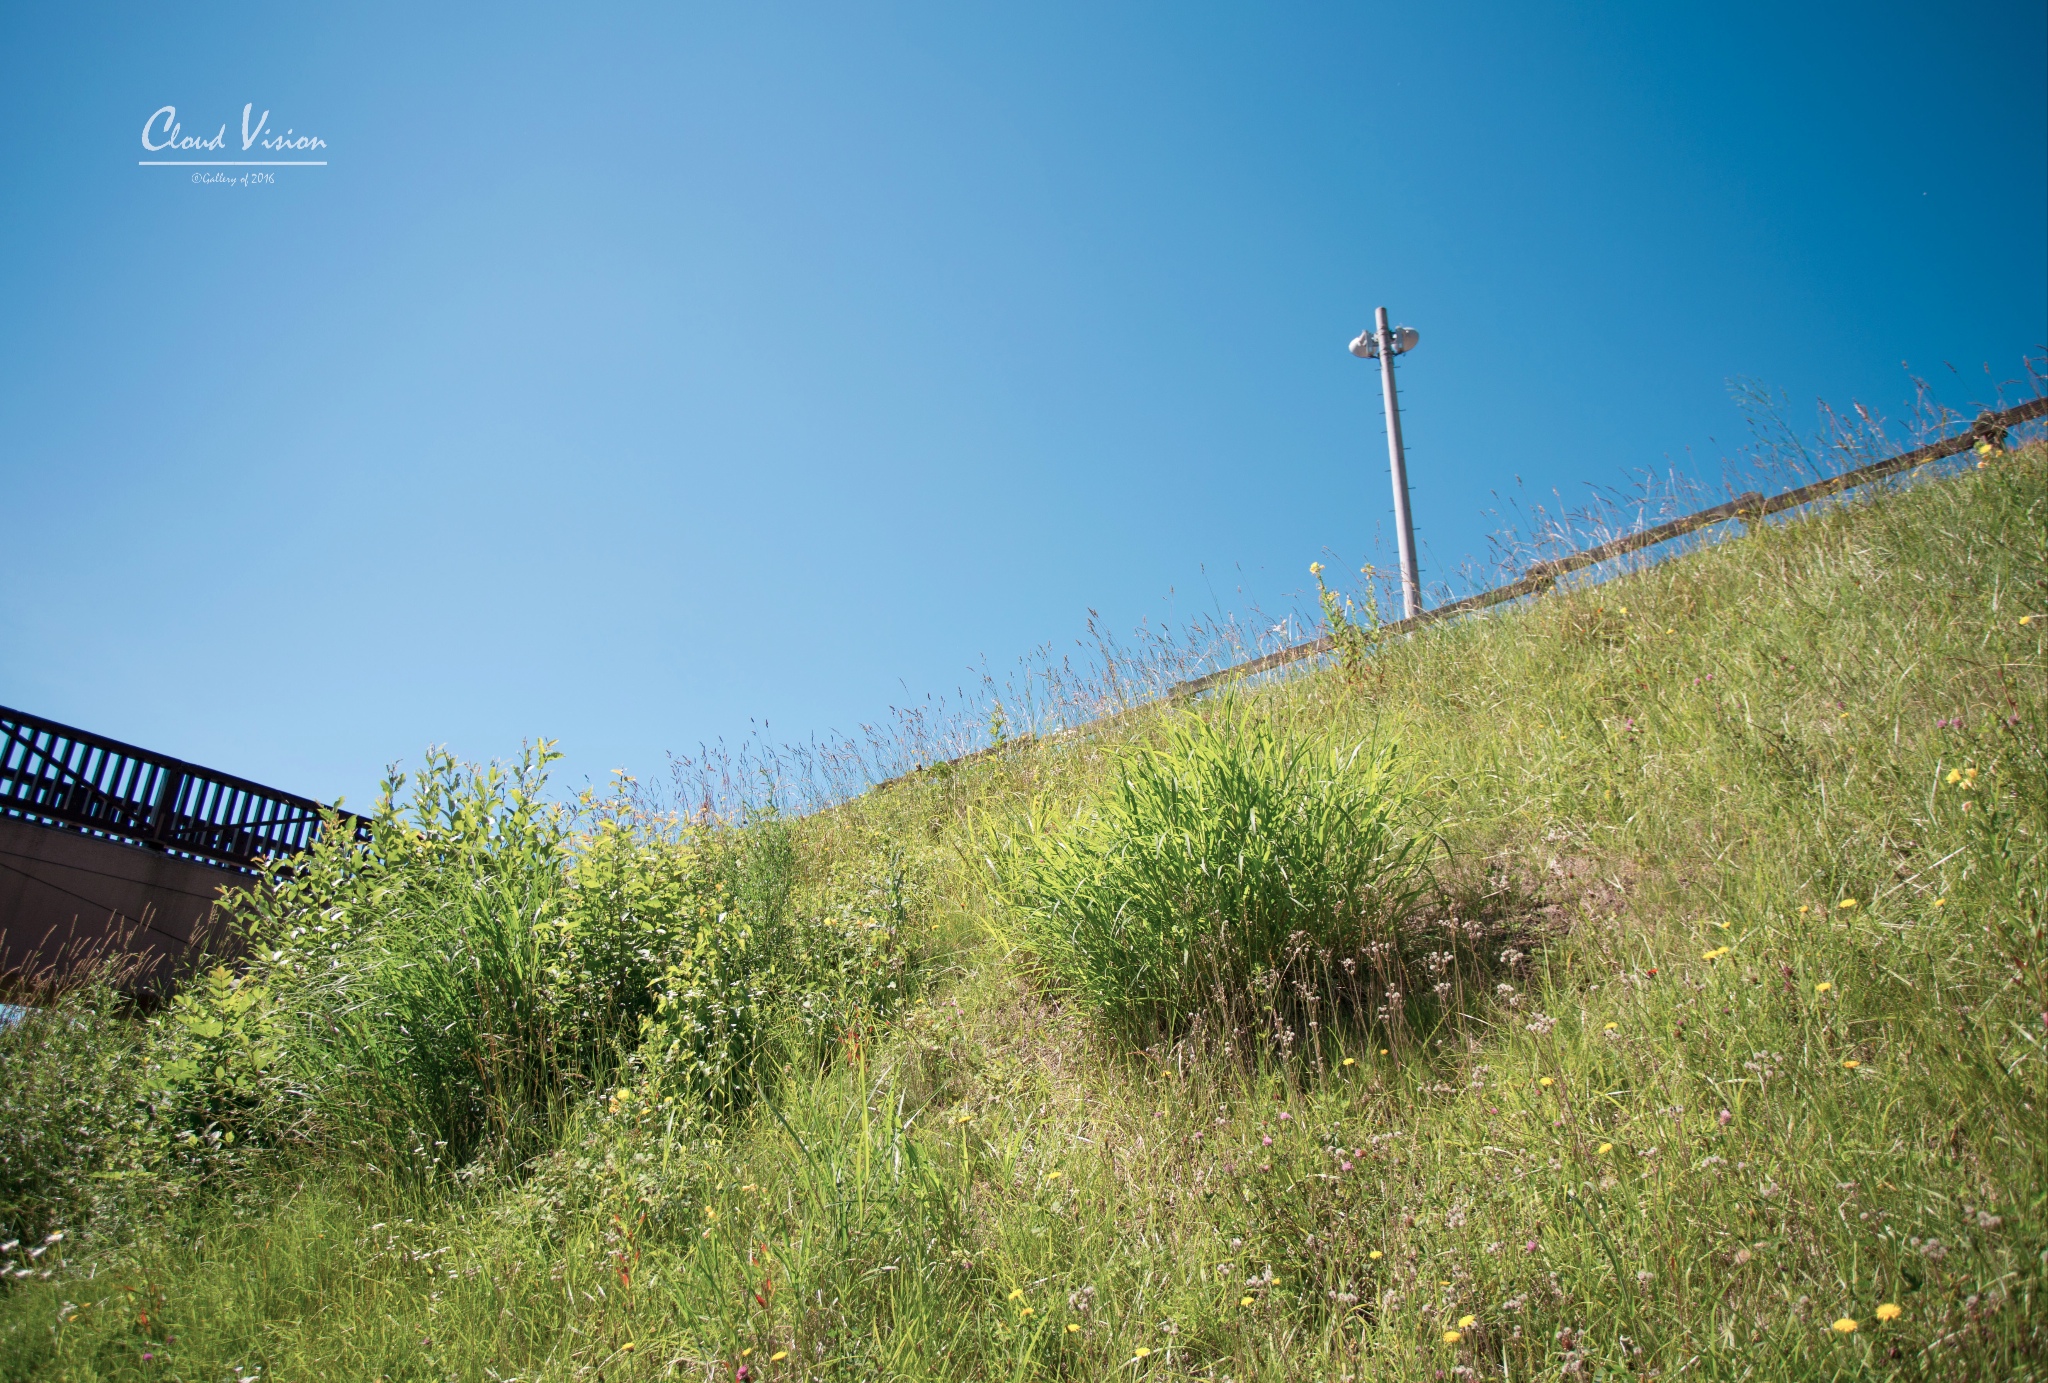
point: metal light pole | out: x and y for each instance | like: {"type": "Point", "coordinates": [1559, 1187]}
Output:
{"type": "Point", "coordinates": [1385, 344]}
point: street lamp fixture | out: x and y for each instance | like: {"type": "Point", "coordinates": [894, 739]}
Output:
{"type": "Point", "coordinates": [1383, 343]}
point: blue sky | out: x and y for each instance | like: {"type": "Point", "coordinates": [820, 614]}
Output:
{"type": "Point", "coordinates": [629, 379]}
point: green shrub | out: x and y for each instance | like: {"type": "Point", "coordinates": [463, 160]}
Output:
{"type": "Point", "coordinates": [72, 1112]}
{"type": "Point", "coordinates": [1235, 880]}
{"type": "Point", "coordinates": [452, 986]}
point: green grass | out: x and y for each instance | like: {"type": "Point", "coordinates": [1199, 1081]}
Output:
{"type": "Point", "coordinates": [1677, 1107]}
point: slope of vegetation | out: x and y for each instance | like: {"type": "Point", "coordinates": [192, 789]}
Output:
{"type": "Point", "coordinates": [1691, 1025]}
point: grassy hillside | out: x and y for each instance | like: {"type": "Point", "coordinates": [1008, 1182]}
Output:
{"type": "Point", "coordinates": [1713, 1049]}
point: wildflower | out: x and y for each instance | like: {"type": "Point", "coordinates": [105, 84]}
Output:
{"type": "Point", "coordinates": [1715, 954]}
{"type": "Point", "coordinates": [1285, 1116]}
{"type": "Point", "coordinates": [1140, 1352]}
{"type": "Point", "coordinates": [1954, 776]}
{"type": "Point", "coordinates": [1851, 1064]}
{"type": "Point", "coordinates": [1846, 903]}
{"type": "Point", "coordinates": [1383, 1051]}
{"type": "Point", "coordinates": [1025, 1312]}
{"type": "Point", "coordinates": [626, 1348]}
{"type": "Point", "coordinates": [1073, 1329]}
{"type": "Point", "coordinates": [1016, 1293]}
{"type": "Point", "coordinates": [1452, 1337]}
{"type": "Point", "coordinates": [2026, 619]}
{"type": "Point", "coordinates": [1605, 1148]}
{"type": "Point", "coordinates": [1350, 1061]}
{"type": "Point", "coordinates": [1889, 1311]}
{"type": "Point", "coordinates": [1724, 1118]}
{"type": "Point", "coordinates": [1611, 1027]}
{"type": "Point", "coordinates": [1347, 1165]}
{"type": "Point", "coordinates": [1467, 1322]}
{"type": "Point", "coordinates": [1941, 902]}
{"type": "Point", "coordinates": [778, 1356]}
{"type": "Point", "coordinates": [709, 1213]}
{"type": "Point", "coordinates": [1315, 568]}
{"type": "Point", "coordinates": [1823, 987]}
{"type": "Point", "coordinates": [964, 1119]}
{"type": "Point", "coordinates": [1054, 1176]}
{"type": "Point", "coordinates": [1375, 1254]}
{"type": "Point", "coordinates": [1546, 1082]}
{"type": "Point", "coordinates": [1244, 1301]}
{"type": "Point", "coordinates": [1844, 1326]}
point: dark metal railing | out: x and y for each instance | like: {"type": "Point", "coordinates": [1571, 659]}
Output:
{"type": "Point", "coordinates": [71, 778]}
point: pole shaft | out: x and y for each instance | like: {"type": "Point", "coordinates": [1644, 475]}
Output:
{"type": "Point", "coordinates": [1404, 525]}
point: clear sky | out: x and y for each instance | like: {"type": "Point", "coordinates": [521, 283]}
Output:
{"type": "Point", "coordinates": [633, 373]}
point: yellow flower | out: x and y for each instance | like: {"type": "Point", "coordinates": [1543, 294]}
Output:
{"type": "Point", "coordinates": [1054, 1176]}
{"type": "Point", "coordinates": [1624, 609]}
{"type": "Point", "coordinates": [709, 1213]}
{"type": "Point", "coordinates": [626, 1348]}
{"type": "Point", "coordinates": [1073, 1329]}
{"type": "Point", "coordinates": [1383, 1051]}
{"type": "Point", "coordinates": [1611, 1027]}
{"type": "Point", "coordinates": [1016, 1292]}
{"type": "Point", "coordinates": [1244, 1301]}
{"type": "Point", "coordinates": [1140, 1352]}
{"type": "Point", "coordinates": [1941, 902]}
{"type": "Point", "coordinates": [1846, 903]}
{"type": "Point", "coordinates": [1375, 1254]}
{"type": "Point", "coordinates": [1954, 776]}
{"type": "Point", "coordinates": [1452, 1337]}
{"type": "Point", "coordinates": [1851, 1065]}
{"type": "Point", "coordinates": [2026, 619]}
{"type": "Point", "coordinates": [1716, 953]}
{"type": "Point", "coordinates": [1823, 987]}
{"type": "Point", "coordinates": [1315, 568]}
{"type": "Point", "coordinates": [778, 1356]}
{"type": "Point", "coordinates": [1350, 1061]}
{"type": "Point", "coordinates": [1546, 1082]}
{"type": "Point", "coordinates": [1889, 1311]}
{"type": "Point", "coordinates": [1844, 1326]}
{"type": "Point", "coordinates": [1467, 1322]}
{"type": "Point", "coordinates": [1025, 1312]}
{"type": "Point", "coordinates": [1605, 1148]}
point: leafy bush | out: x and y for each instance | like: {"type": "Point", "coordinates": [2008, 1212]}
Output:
{"type": "Point", "coordinates": [1234, 880]}
{"type": "Point", "coordinates": [73, 1116]}
{"type": "Point", "coordinates": [456, 983]}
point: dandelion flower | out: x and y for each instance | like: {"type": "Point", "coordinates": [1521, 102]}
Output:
{"type": "Point", "coordinates": [1889, 1311]}
{"type": "Point", "coordinates": [1350, 1061]}
{"type": "Point", "coordinates": [964, 1119]}
{"type": "Point", "coordinates": [1383, 1051]}
{"type": "Point", "coordinates": [1941, 902]}
{"type": "Point", "coordinates": [778, 1356]}
{"type": "Point", "coordinates": [2026, 619]}
{"type": "Point", "coordinates": [1073, 1329]}
{"type": "Point", "coordinates": [626, 1348]}
{"type": "Point", "coordinates": [1054, 1176]}
{"type": "Point", "coordinates": [1140, 1352]}
{"type": "Point", "coordinates": [1025, 1312]}
{"type": "Point", "coordinates": [1244, 1301]}
{"type": "Point", "coordinates": [1823, 987]}
{"type": "Point", "coordinates": [1611, 1027]}
{"type": "Point", "coordinates": [1954, 776]}
{"type": "Point", "coordinates": [1452, 1337]}
{"type": "Point", "coordinates": [1846, 903]}
{"type": "Point", "coordinates": [1016, 1293]}
{"type": "Point", "coordinates": [1605, 1148]}
{"type": "Point", "coordinates": [1375, 1254]}
{"type": "Point", "coordinates": [1716, 953]}
{"type": "Point", "coordinates": [1467, 1322]}
{"type": "Point", "coordinates": [1851, 1064]}
{"type": "Point", "coordinates": [1546, 1082]}
{"type": "Point", "coordinates": [1844, 1326]}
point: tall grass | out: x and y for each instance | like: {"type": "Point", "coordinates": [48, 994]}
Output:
{"type": "Point", "coordinates": [1235, 882]}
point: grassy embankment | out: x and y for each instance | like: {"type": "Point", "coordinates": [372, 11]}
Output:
{"type": "Point", "coordinates": [1736, 902]}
